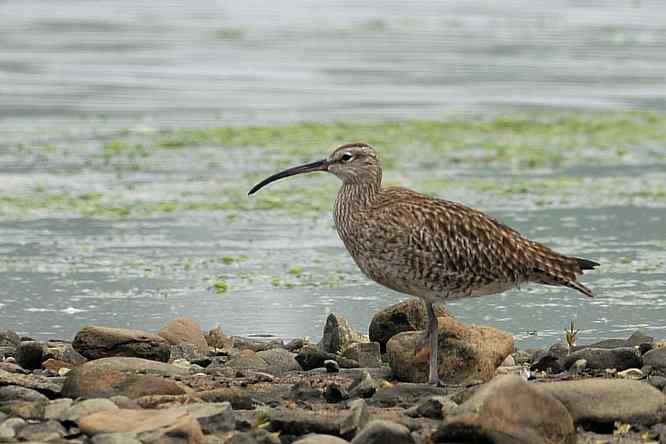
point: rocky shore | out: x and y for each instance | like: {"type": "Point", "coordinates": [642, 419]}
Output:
{"type": "Point", "coordinates": [183, 385]}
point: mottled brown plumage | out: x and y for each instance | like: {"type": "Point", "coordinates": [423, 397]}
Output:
{"type": "Point", "coordinates": [431, 248]}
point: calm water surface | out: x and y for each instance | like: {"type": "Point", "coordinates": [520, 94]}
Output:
{"type": "Point", "coordinates": [75, 72]}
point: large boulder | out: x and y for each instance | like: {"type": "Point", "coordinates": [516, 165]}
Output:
{"type": "Point", "coordinates": [604, 401]}
{"type": "Point", "coordinates": [467, 353]}
{"type": "Point", "coordinates": [508, 410]}
{"type": "Point", "coordinates": [131, 377]}
{"type": "Point", "coordinates": [409, 315]}
{"type": "Point", "coordinates": [95, 342]}
{"type": "Point", "coordinates": [338, 334]}
{"type": "Point", "coordinates": [184, 330]}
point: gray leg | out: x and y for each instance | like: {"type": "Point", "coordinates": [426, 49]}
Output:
{"type": "Point", "coordinates": [433, 336]}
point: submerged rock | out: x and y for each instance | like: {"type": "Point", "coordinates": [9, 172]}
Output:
{"type": "Point", "coordinates": [95, 342]}
{"type": "Point", "coordinates": [508, 410]}
{"type": "Point", "coordinates": [467, 353]}
{"type": "Point", "coordinates": [409, 315]}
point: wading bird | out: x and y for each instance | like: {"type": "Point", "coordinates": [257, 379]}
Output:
{"type": "Point", "coordinates": [430, 248]}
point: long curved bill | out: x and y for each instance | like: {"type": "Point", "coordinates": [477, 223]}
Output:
{"type": "Point", "coordinates": [320, 165]}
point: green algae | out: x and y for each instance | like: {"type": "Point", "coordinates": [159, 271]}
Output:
{"type": "Point", "coordinates": [423, 154]}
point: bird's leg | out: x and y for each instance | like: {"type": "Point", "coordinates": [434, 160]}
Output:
{"type": "Point", "coordinates": [433, 336]}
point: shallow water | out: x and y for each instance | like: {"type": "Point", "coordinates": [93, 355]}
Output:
{"type": "Point", "coordinates": [88, 235]}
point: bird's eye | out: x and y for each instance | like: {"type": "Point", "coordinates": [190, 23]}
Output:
{"type": "Point", "coordinates": [346, 157]}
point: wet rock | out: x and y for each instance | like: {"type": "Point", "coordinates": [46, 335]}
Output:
{"type": "Point", "coordinates": [338, 334]}
{"type": "Point", "coordinates": [212, 417]}
{"type": "Point", "coordinates": [550, 363]}
{"type": "Point", "coordinates": [333, 393]}
{"type": "Point", "coordinates": [279, 360]}
{"type": "Point", "coordinates": [602, 358]}
{"type": "Point", "coordinates": [656, 359]}
{"type": "Point", "coordinates": [367, 354]}
{"type": "Point", "coordinates": [355, 419]}
{"type": "Point", "coordinates": [30, 355]}
{"type": "Point", "coordinates": [96, 342]}
{"type": "Point", "coordinates": [115, 438]}
{"type": "Point", "coordinates": [9, 427]}
{"type": "Point", "coordinates": [9, 339]}
{"type": "Point", "coordinates": [239, 400]}
{"type": "Point", "coordinates": [151, 426]}
{"type": "Point", "coordinates": [309, 360]}
{"type": "Point", "coordinates": [56, 409]}
{"type": "Point", "coordinates": [331, 366]}
{"type": "Point", "coordinates": [321, 439]}
{"type": "Point", "coordinates": [184, 330]}
{"type": "Point", "coordinates": [409, 315]}
{"type": "Point", "coordinates": [107, 377]}
{"type": "Point", "coordinates": [467, 353]}
{"type": "Point", "coordinates": [435, 407]}
{"type": "Point", "coordinates": [88, 407]}
{"type": "Point", "coordinates": [16, 393]}
{"type": "Point", "coordinates": [247, 359]}
{"type": "Point", "coordinates": [604, 401]}
{"type": "Point", "coordinates": [382, 432]}
{"type": "Point", "coordinates": [43, 385]}
{"type": "Point", "coordinates": [508, 410]}
{"type": "Point", "coordinates": [216, 338]}
{"type": "Point", "coordinates": [43, 431]}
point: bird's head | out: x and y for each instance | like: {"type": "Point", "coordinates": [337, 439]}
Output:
{"type": "Point", "coordinates": [354, 163]}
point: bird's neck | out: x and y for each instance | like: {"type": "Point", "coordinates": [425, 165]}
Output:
{"type": "Point", "coordinates": [353, 198]}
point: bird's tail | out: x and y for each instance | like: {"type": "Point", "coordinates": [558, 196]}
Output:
{"type": "Point", "coordinates": [586, 264]}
